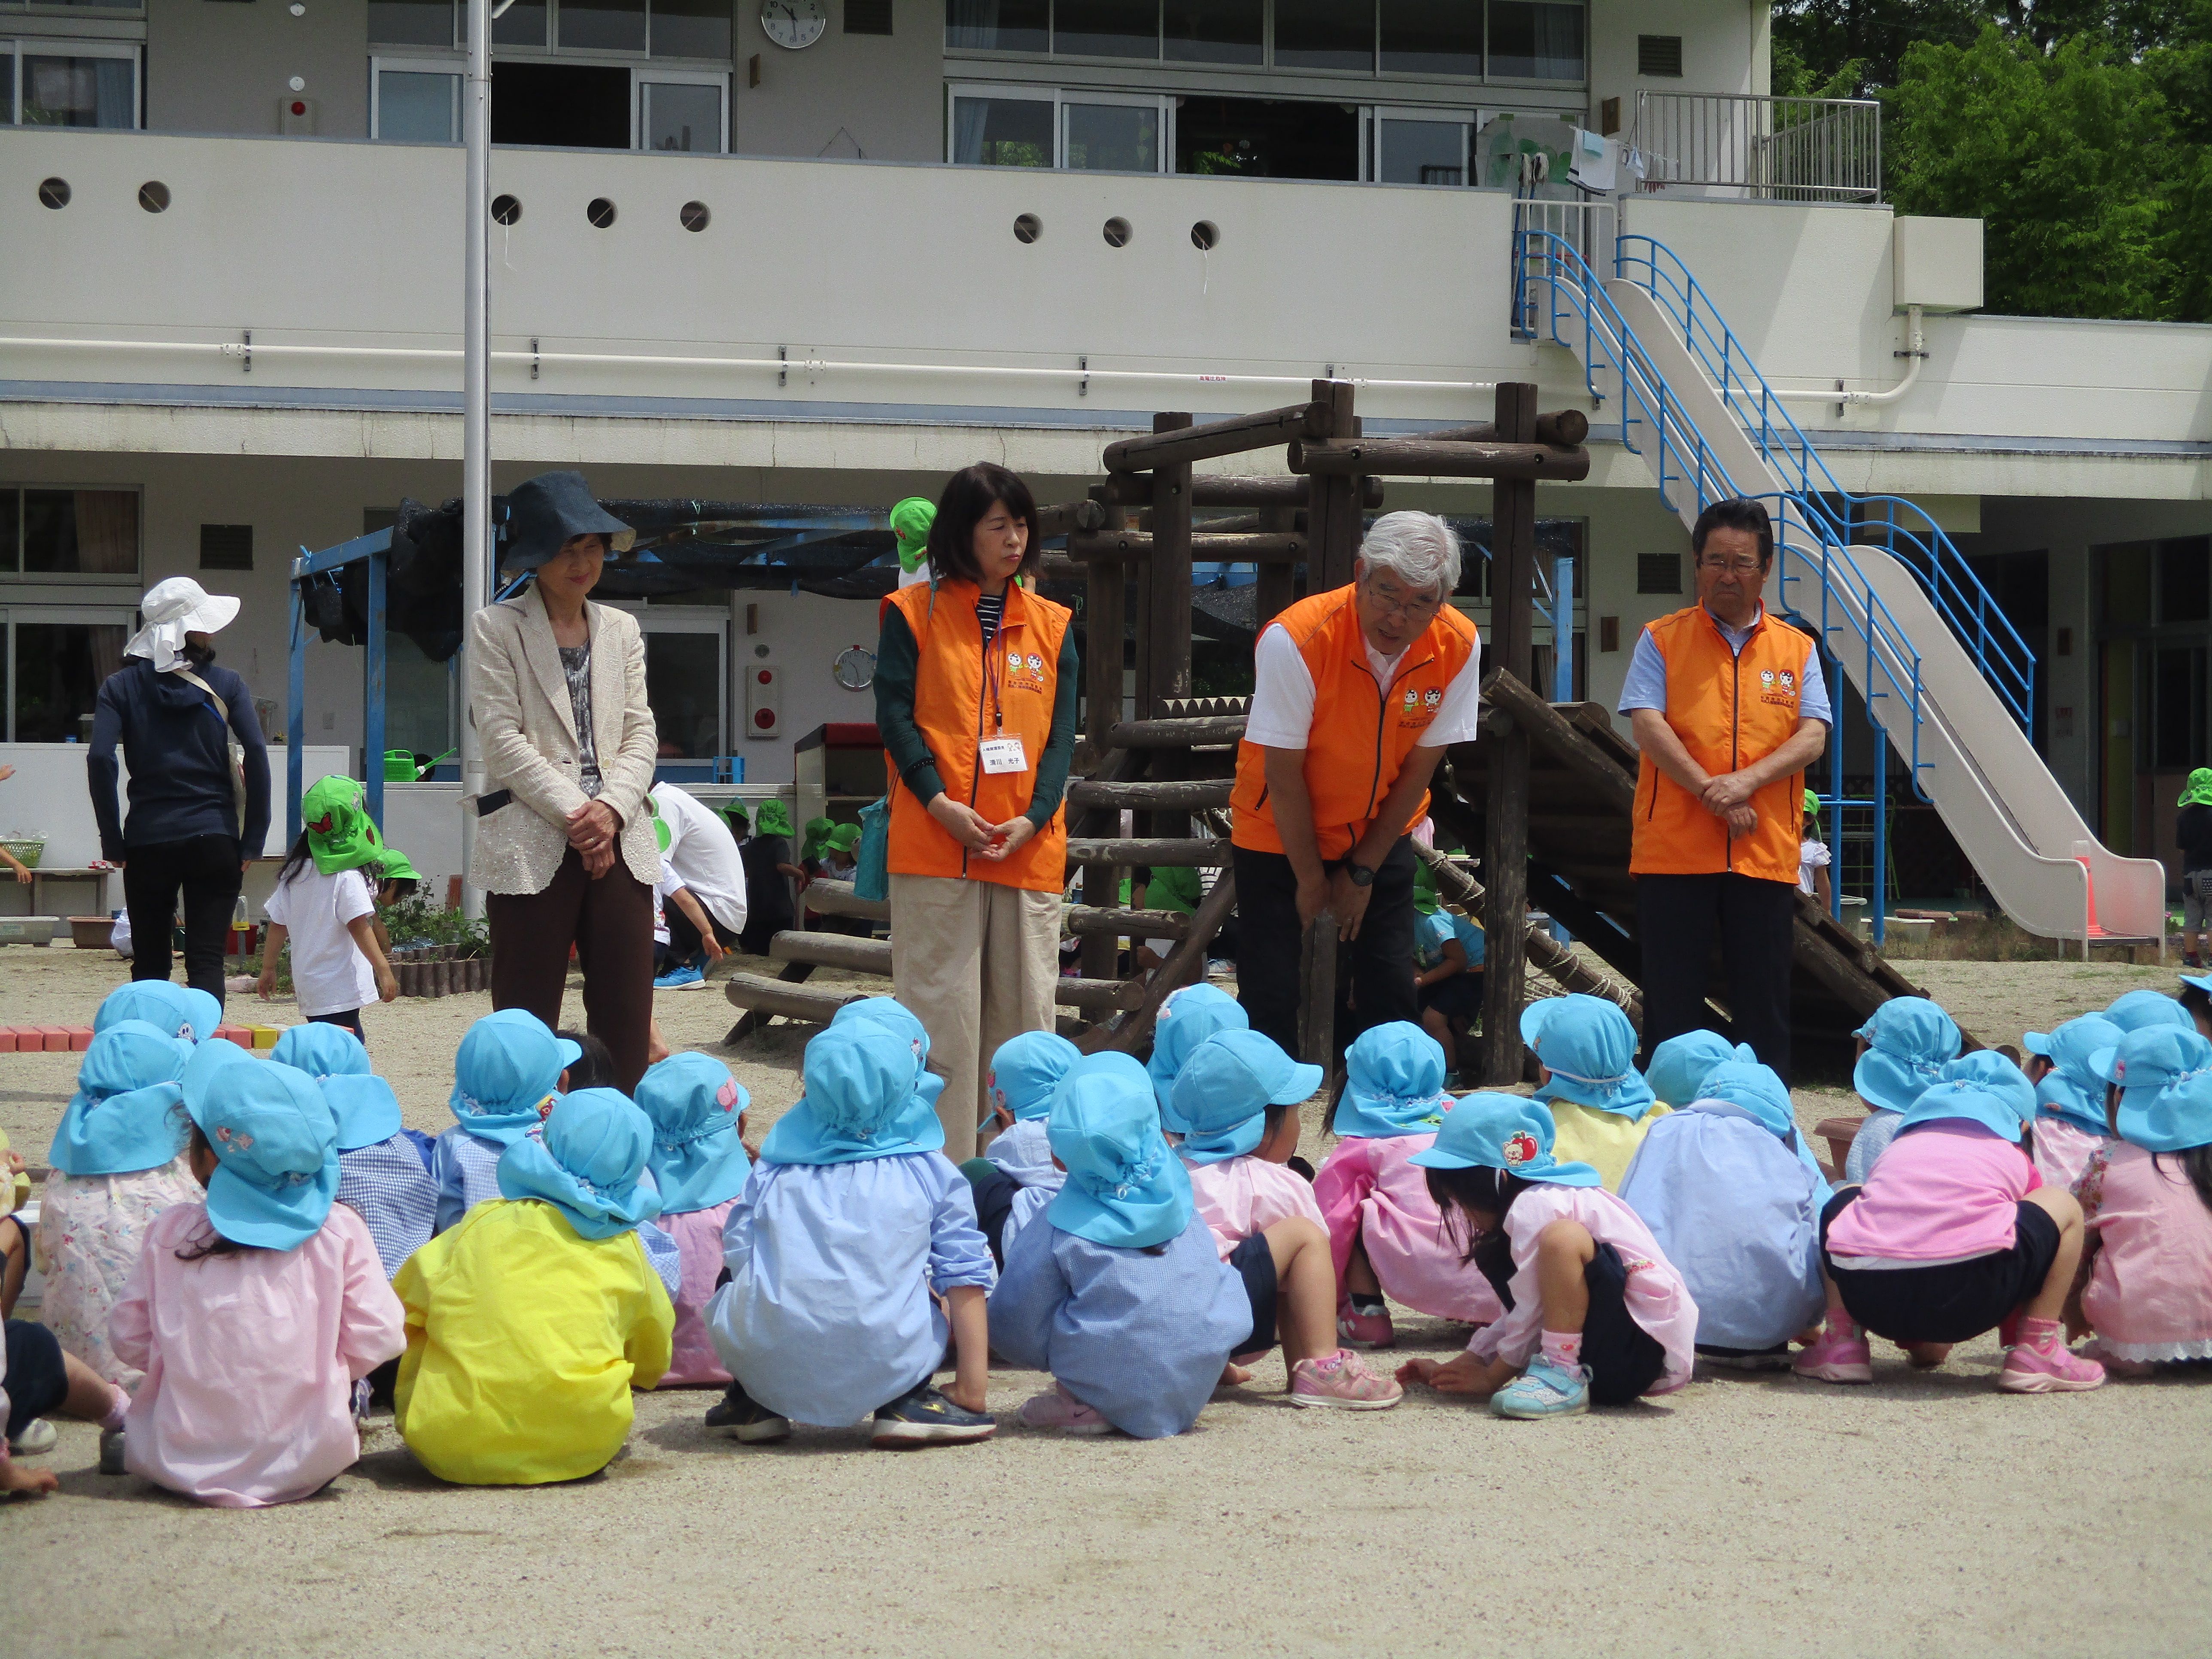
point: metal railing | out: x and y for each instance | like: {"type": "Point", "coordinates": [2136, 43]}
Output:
{"type": "Point", "coordinates": [1791, 150]}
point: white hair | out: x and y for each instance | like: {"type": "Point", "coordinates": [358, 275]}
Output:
{"type": "Point", "coordinates": [1420, 549]}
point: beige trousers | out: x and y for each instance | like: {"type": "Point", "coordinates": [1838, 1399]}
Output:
{"type": "Point", "coordinates": [976, 961]}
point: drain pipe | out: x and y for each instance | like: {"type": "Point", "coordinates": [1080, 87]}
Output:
{"type": "Point", "coordinates": [1915, 354]}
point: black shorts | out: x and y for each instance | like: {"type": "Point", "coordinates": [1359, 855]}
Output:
{"type": "Point", "coordinates": [348, 1018]}
{"type": "Point", "coordinates": [1458, 998]}
{"type": "Point", "coordinates": [1949, 1303]}
{"type": "Point", "coordinates": [1624, 1358]}
{"type": "Point", "coordinates": [994, 1190]}
{"type": "Point", "coordinates": [1255, 1265]}
{"type": "Point", "coordinates": [37, 1383]}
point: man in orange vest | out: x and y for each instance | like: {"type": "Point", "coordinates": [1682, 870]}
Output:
{"type": "Point", "coordinates": [1357, 692]}
{"type": "Point", "coordinates": [1729, 706]}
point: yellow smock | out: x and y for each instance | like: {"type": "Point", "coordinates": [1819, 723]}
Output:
{"type": "Point", "coordinates": [1605, 1140]}
{"type": "Point", "coordinates": [524, 1341]}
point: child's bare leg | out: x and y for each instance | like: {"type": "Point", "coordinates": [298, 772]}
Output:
{"type": "Point", "coordinates": [2050, 1302]}
{"type": "Point", "coordinates": [1305, 1290]}
{"type": "Point", "coordinates": [91, 1396]}
{"type": "Point", "coordinates": [1434, 1022]}
{"type": "Point", "coordinates": [1359, 1278]}
{"type": "Point", "coordinates": [14, 1262]}
{"type": "Point", "coordinates": [1563, 1250]}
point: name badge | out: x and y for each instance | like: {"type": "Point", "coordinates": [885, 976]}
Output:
{"type": "Point", "coordinates": [1005, 755]}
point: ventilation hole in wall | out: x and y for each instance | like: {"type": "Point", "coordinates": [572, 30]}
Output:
{"type": "Point", "coordinates": [1118, 231]}
{"type": "Point", "coordinates": [53, 192]}
{"type": "Point", "coordinates": [1027, 226]}
{"type": "Point", "coordinates": [154, 196]}
{"type": "Point", "coordinates": [601, 212]}
{"type": "Point", "coordinates": [694, 215]}
{"type": "Point", "coordinates": [867, 16]}
{"type": "Point", "coordinates": [505, 209]}
{"type": "Point", "coordinates": [1206, 236]}
{"type": "Point", "coordinates": [1659, 54]}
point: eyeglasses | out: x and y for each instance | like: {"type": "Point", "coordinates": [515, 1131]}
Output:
{"type": "Point", "coordinates": [1391, 603]}
{"type": "Point", "coordinates": [1733, 567]}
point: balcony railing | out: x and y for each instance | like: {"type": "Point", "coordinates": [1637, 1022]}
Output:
{"type": "Point", "coordinates": [1788, 149]}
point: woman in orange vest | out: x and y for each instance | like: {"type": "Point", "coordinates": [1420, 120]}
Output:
{"type": "Point", "coordinates": [1729, 706]}
{"type": "Point", "coordinates": [975, 685]}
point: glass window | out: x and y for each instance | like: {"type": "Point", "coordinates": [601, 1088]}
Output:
{"type": "Point", "coordinates": [56, 672]}
{"type": "Point", "coordinates": [1266, 138]}
{"type": "Point", "coordinates": [524, 25]}
{"type": "Point", "coordinates": [684, 688]}
{"type": "Point", "coordinates": [679, 117]}
{"type": "Point", "coordinates": [1106, 29]}
{"type": "Point", "coordinates": [417, 108]}
{"type": "Point", "coordinates": [997, 24]}
{"type": "Point", "coordinates": [411, 23]}
{"type": "Point", "coordinates": [1325, 35]}
{"type": "Point", "coordinates": [78, 532]}
{"type": "Point", "coordinates": [1215, 31]}
{"type": "Point", "coordinates": [1421, 152]}
{"type": "Point", "coordinates": [1002, 132]}
{"type": "Point", "coordinates": [1535, 40]}
{"type": "Point", "coordinates": [1432, 37]}
{"type": "Point", "coordinates": [1112, 137]}
{"type": "Point", "coordinates": [2184, 580]}
{"type": "Point", "coordinates": [691, 28]}
{"type": "Point", "coordinates": [79, 92]}
{"type": "Point", "coordinates": [7, 87]}
{"type": "Point", "coordinates": [603, 25]}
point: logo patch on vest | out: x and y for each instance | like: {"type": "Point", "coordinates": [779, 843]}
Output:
{"type": "Point", "coordinates": [1412, 699]}
{"type": "Point", "coordinates": [1433, 696]}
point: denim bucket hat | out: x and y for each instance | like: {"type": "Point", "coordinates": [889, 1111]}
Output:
{"type": "Point", "coordinates": [584, 1159]}
{"type": "Point", "coordinates": [177, 1009]}
{"type": "Point", "coordinates": [1982, 1087]}
{"type": "Point", "coordinates": [124, 1117]}
{"type": "Point", "coordinates": [2072, 1090]}
{"type": "Point", "coordinates": [1394, 1084]}
{"type": "Point", "coordinates": [1185, 1019]}
{"type": "Point", "coordinates": [1909, 1040]}
{"type": "Point", "coordinates": [1590, 1048]}
{"type": "Point", "coordinates": [276, 1146]}
{"type": "Point", "coordinates": [508, 1066]}
{"type": "Point", "coordinates": [694, 1104]}
{"type": "Point", "coordinates": [548, 509]}
{"type": "Point", "coordinates": [2140, 1008]}
{"type": "Point", "coordinates": [1027, 1069]}
{"type": "Point", "coordinates": [363, 1103]}
{"type": "Point", "coordinates": [1125, 1187]}
{"type": "Point", "coordinates": [1679, 1065]}
{"type": "Point", "coordinates": [1226, 1087]}
{"type": "Point", "coordinates": [859, 1103]}
{"type": "Point", "coordinates": [1503, 1131]}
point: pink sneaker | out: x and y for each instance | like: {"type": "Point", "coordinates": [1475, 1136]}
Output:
{"type": "Point", "coordinates": [1343, 1381]}
{"type": "Point", "coordinates": [1062, 1411]}
{"type": "Point", "coordinates": [1358, 1330]}
{"type": "Point", "coordinates": [1833, 1358]}
{"type": "Point", "coordinates": [2052, 1370]}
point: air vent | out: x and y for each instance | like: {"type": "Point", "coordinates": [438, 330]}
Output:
{"type": "Point", "coordinates": [225, 547]}
{"type": "Point", "coordinates": [1658, 572]}
{"type": "Point", "coordinates": [867, 16]}
{"type": "Point", "coordinates": [1659, 54]}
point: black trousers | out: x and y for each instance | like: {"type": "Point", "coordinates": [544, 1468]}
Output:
{"type": "Point", "coordinates": [684, 943]}
{"type": "Point", "coordinates": [1374, 973]}
{"type": "Point", "coordinates": [206, 868]}
{"type": "Point", "coordinates": [610, 921]}
{"type": "Point", "coordinates": [1678, 917]}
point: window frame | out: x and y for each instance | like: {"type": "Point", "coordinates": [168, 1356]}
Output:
{"type": "Point", "coordinates": [70, 46]}
{"type": "Point", "coordinates": [718, 79]}
{"type": "Point", "coordinates": [454, 68]}
{"type": "Point", "coordinates": [641, 72]}
{"type": "Point", "coordinates": [1469, 119]}
{"type": "Point", "coordinates": [19, 578]}
{"type": "Point", "coordinates": [1060, 97]}
{"type": "Point", "coordinates": [15, 612]}
{"type": "Point", "coordinates": [955, 90]}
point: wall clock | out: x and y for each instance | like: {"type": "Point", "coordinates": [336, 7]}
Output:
{"type": "Point", "coordinates": [793, 24]}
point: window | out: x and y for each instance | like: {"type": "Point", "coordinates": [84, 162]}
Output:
{"type": "Point", "coordinates": [867, 16]}
{"type": "Point", "coordinates": [1658, 572]}
{"type": "Point", "coordinates": [1106, 29]}
{"type": "Point", "coordinates": [685, 116]}
{"type": "Point", "coordinates": [415, 105]}
{"type": "Point", "coordinates": [1659, 54]}
{"type": "Point", "coordinates": [411, 23]}
{"type": "Point", "coordinates": [1002, 132]}
{"type": "Point", "coordinates": [1266, 138]}
{"type": "Point", "coordinates": [1416, 148]}
{"type": "Point", "coordinates": [998, 25]}
{"type": "Point", "coordinates": [1325, 35]}
{"type": "Point", "coordinates": [225, 547]}
{"type": "Point", "coordinates": [1215, 31]}
{"type": "Point", "coordinates": [584, 105]}
{"type": "Point", "coordinates": [68, 83]}
{"type": "Point", "coordinates": [1111, 137]}
{"type": "Point", "coordinates": [665, 28]}
{"type": "Point", "coordinates": [47, 532]}
{"type": "Point", "coordinates": [2184, 580]}
{"type": "Point", "coordinates": [615, 25]}
{"type": "Point", "coordinates": [52, 659]}
{"type": "Point", "coordinates": [1535, 40]}
{"type": "Point", "coordinates": [1431, 37]}
{"type": "Point", "coordinates": [701, 28]}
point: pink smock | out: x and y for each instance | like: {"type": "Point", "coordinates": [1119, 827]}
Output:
{"type": "Point", "coordinates": [698, 1236]}
{"type": "Point", "coordinates": [2062, 1149]}
{"type": "Point", "coordinates": [1944, 1191]}
{"type": "Point", "coordinates": [1241, 1196]}
{"type": "Point", "coordinates": [2149, 1294]}
{"type": "Point", "coordinates": [1371, 1195]}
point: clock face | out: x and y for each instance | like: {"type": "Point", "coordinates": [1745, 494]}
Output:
{"type": "Point", "coordinates": [794, 23]}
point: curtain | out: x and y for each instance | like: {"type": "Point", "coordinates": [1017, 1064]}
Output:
{"type": "Point", "coordinates": [972, 24]}
{"type": "Point", "coordinates": [969, 117]}
{"type": "Point", "coordinates": [106, 532]}
{"type": "Point", "coordinates": [79, 92]}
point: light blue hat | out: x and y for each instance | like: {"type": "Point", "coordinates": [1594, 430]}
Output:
{"type": "Point", "coordinates": [1503, 1131]}
{"type": "Point", "coordinates": [1750, 1087]}
{"type": "Point", "coordinates": [124, 1116]}
{"type": "Point", "coordinates": [2202, 981]}
{"type": "Point", "coordinates": [509, 1068]}
{"type": "Point", "coordinates": [1185, 1019]}
{"type": "Point", "coordinates": [1678, 1067]}
{"type": "Point", "coordinates": [2139, 1009]}
{"type": "Point", "coordinates": [1125, 1187]}
{"type": "Point", "coordinates": [861, 1101]}
{"type": "Point", "coordinates": [1027, 1069]}
{"type": "Point", "coordinates": [584, 1160]}
{"type": "Point", "coordinates": [1982, 1087]}
{"type": "Point", "coordinates": [2145, 1063]}
{"type": "Point", "coordinates": [891, 1012]}
{"type": "Point", "coordinates": [2173, 1118]}
{"type": "Point", "coordinates": [276, 1146]}
{"type": "Point", "coordinates": [693, 1104]}
{"type": "Point", "coordinates": [1394, 1084]}
{"type": "Point", "coordinates": [363, 1103]}
{"type": "Point", "coordinates": [177, 1009]}
{"type": "Point", "coordinates": [1909, 1039]}
{"type": "Point", "coordinates": [1226, 1087]}
{"type": "Point", "coordinates": [2072, 1090]}
{"type": "Point", "coordinates": [1589, 1049]}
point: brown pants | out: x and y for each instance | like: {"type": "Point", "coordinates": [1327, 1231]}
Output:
{"type": "Point", "coordinates": [610, 921]}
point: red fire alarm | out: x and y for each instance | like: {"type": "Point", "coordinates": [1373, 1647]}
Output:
{"type": "Point", "coordinates": [763, 702]}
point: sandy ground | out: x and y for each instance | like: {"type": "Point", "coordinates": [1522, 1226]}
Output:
{"type": "Point", "coordinates": [1926, 1515]}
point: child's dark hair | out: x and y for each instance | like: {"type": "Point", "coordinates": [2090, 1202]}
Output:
{"type": "Point", "coordinates": [200, 1246]}
{"type": "Point", "coordinates": [1462, 1195]}
{"type": "Point", "coordinates": [2196, 1163]}
{"type": "Point", "coordinates": [400, 887]}
{"type": "Point", "coordinates": [593, 1069]}
{"type": "Point", "coordinates": [2197, 1003]}
{"type": "Point", "coordinates": [1275, 1116]}
{"type": "Point", "coordinates": [299, 854]}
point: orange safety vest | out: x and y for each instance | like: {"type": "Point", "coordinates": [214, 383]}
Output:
{"type": "Point", "coordinates": [1361, 734]}
{"type": "Point", "coordinates": [959, 700]}
{"type": "Point", "coordinates": [1729, 709]}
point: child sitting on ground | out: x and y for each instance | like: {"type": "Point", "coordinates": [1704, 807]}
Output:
{"type": "Point", "coordinates": [1600, 1106]}
{"type": "Point", "coordinates": [593, 1068]}
{"type": "Point", "coordinates": [1385, 1235]}
{"type": "Point", "coordinates": [1734, 1195]}
{"type": "Point", "coordinates": [505, 1074]}
{"type": "Point", "coordinates": [1681, 1065]}
{"type": "Point", "coordinates": [118, 1161]}
{"type": "Point", "coordinates": [1239, 1094]}
{"type": "Point", "coordinates": [1953, 1232]}
{"type": "Point", "coordinates": [253, 1313]}
{"type": "Point", "coordinates": [2070, 1118]}
{"type": "Point", "coordinates": [2137, 1011]}
{"type": "Point", "coordinates": [1185, 1019]}
{"type": "Point", "coordinates": [323, 902]}
{"type": "Point", "coordinates": [381, 1177]}
{"type": "Point", "coordinates": [849, 1233]}
{"type": "Point", "coordinates": [528, 1324]}
{"type": "Point", "coordinates": [1814, 858]}
{"type": "Point", "coordinates": [698, 1159]}
{"type": "Point", "coordinates": [2147, 1203]}
{"type": "Point", "coordinates": [176, 1010]}
{"type": "Point", "coordinates": [1596, 1313]}
{"type": "Point", "coordinates": [1118, 1290]}
{"type": "Point", "coordinates": [1015, 1177]}
{"type": "Point", "coordinates": [1902, 1049]}
{"type": "Point", "coordinates": [38, 1380]}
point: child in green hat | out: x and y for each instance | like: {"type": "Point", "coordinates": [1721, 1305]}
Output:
{"type": "Point", "coordinates": [1812, 856]}
{"type": "Point", "coordinates": [325, 908]}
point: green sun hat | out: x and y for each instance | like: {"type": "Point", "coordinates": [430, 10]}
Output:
{"type": "Point", "coordinates": [1424, 888]}
{"type": "Point", "coordinates": [2199, 790]}
{"type": "Point", "coordinates": [340, 833]}
{"type": "Point", "coordinates": [844, 837]}
{"type": "Point", "coordinates": [1812, 804]}
{"type": "Point", "coordinates": [769, 818]}
{"type": "Point", "coordinates": [817, 837]}
{"type": "Point", "coordinates": [392, 864]}
{"type": "Point", "coordinates": [911, 520]}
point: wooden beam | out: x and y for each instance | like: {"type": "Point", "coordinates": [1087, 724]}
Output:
{"type": "Point", "coordinates": [1177, 852]}
{"type": "Point", "coordinates": [1223, 489]}
{"type": "Point", "coordinates": [1136, 797]}
{"type": "Point", "coordinates": [1318, 997]}
{"type": "Point", "coordinates": [1097, 996]}
{"type": "Point", "coordinates": [1600, 771]}
{"type": "Point", "coordinates": [788, 1001]}
{"type": "Point", "coordinates": [1278, 581]}
{"type": "Point", "coordinates": [754, 1019]}
{"type": "Point", "coordinates": [1421, 458]}
{"type": "Point", "coordinates": [1333, 514]}
{"type": "Point", "coordinates": [1555, 961]}
{"type": "Point", "coordinates": [1180, 445]}
{"type": "Point", "coordinates": [1166, 616]}
{"type": "Point", "coordinates": [1226, 549]}
{"type": "Point", "coordinates": [863, 955]}
{"type": "Point", "coordinates": [1506, 815]}
{"type": "Point", "coordinates": [1566, 429]}
{"type": "Point", "coordinates": [836, 898]}
{"type": "Point", "coordinates": [1195, 731]}
{"type": "Point", "coordinates": [1184, 966]}
{"type": "Point", "coordinates": [1089, 921]}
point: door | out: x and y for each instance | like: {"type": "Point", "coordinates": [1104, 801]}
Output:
{"type": "Point", "coordinates": [686, 683]}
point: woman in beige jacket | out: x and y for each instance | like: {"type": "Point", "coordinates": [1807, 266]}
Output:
{"type": "Point", "coordinates": [564, 845]}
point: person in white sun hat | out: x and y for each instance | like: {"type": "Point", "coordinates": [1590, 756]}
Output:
{"type": "Point", "coordinates": [199, 779]}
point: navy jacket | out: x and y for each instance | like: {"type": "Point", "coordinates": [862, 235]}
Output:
{"type": "Point", "coordinates": [179, 759]}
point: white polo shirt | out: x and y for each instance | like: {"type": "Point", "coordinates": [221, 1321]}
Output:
{"type": "Point", "coordinates": [702, 856]}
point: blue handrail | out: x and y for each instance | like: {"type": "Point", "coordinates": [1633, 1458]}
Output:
{"type": "Point", "coordinates": [1890, 521]}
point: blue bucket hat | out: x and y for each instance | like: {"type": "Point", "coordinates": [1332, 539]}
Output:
{"type": "Point", "coordinates": [176, 1009]}
{"type": "Point", "coordinates": [861, 1101]}
{"type": "Point", "coordinates": [1909, 1040]}
{"type": "Point", "coordinates": [508, 1066]}
{"type": "Point", "coordinates": [1589, 1049]}
{"type": "Point", "coordinates": [1982, 1087]}
{"type": "Point", "coordinates": [124, 1116]}
{"type": "Point", "coordinates": [2172, 1118]}
{"type": "Point", "coordinates": [1678, 1068]}
{"type": "Point", "coordinates": [1185, 1019]}
{"type": "Point", "coordinates": [2202, 981]}
{"type": "Point", "coordinates": [1125, 1187]}
{"type": "Point", "coordinates": [1027, 1069]}
{"type": "Point", "coordinates": [2139, 1009]}
{"type": "Point", "coordinates": [1503, 1131]}
{"type": "Point", "coordinates": [363, 1103]}
{"type": "Point", "coordinates": [2145, 1063]}
{"type": "Point", "coordinates": [1394, 1084]}
{"type": "Point", "coordinates": [276, 1146]}
{"type": "Point", "coordinates": [1226, 1087]}
{"type": "Point", "coordinates": [584, 1160]}
{"type": "Point", "coordinates": [2072, 1090]}
{"type": "Point", "coordinates": [894, 1015]}
{"type": "Point", "coordinates": [693, 1104]}
{"type": "Point", "coordinates": [1759, 1089]}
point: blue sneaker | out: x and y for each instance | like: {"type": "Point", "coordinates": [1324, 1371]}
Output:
{"type": "Point", "coordinates": [1544, 1390]}
{"type": "Point", "coordinates": [677, 978]}
{"type": "Point", "coordinates": [924, 1416]}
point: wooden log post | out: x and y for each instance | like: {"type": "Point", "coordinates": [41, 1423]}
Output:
{"type": "Point", "coordinates": [1105, 595]}
{"type": "Point", "coordinates": [1332, 509]}
{"type": "Point", "coordinates": [1317, 998]}
{"type": "Point", "coordinates": [1166, 616]}
{"type": "Point", "coordinates": [1506, 819]}
{"type": "Point", "coordinates": [1277, 587]}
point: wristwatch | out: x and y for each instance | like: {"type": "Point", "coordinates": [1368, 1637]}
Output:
{"type": "Point", "coordinates": [1361, 875]}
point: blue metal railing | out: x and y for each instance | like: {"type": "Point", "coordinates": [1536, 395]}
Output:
{"type": "Point", "coordinates": [1887, 521]}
